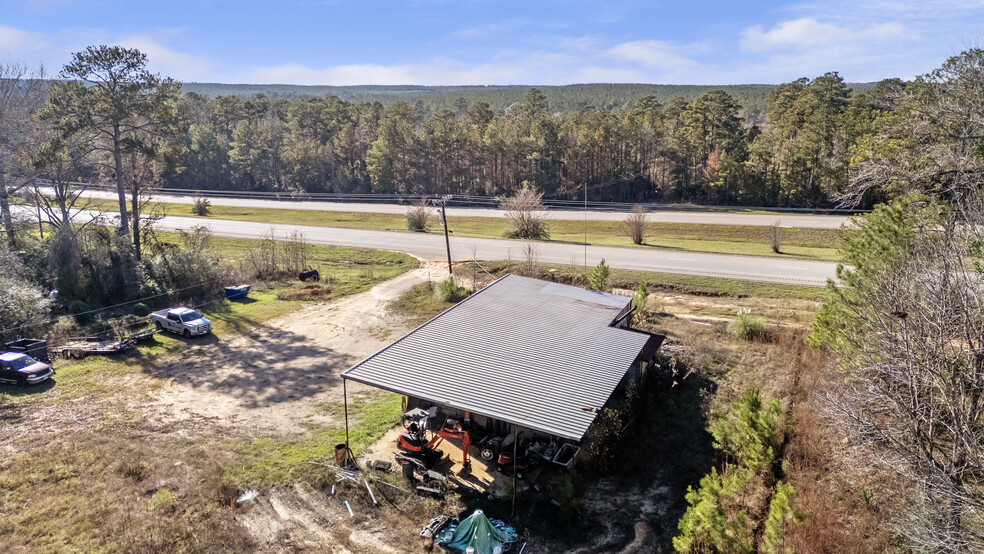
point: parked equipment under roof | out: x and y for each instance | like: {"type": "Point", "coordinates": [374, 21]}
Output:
{"type": "Point", "coordinates": [537, 354]}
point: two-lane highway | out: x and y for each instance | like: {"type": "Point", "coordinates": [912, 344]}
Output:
{"type": "Point", "coordinates": [807, 221]}
{"type": "Point", "coordinates": [431, 247]}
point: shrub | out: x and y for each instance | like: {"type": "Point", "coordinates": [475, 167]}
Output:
{"type": "Point", "coordinates": [276, 259]}
{"type": "Point", "coordinates": [708, 525]}
{"type": "Point", "coordinates": [525, 212]}
{"type": "Point", "coordinates": [449, 291]}
{"type": "Point", "coordinates": [162, 501]}
{"type": "Point", "coordinates": [23, 307]}
{"type": "Point", "coordinates": [746, 326]}
{"type": "Point", "coordinates": [418, 216]}
{"type": "Point", "coordinates": [66, 326]}
{"type": "Point", "coordinates": [77, 307]}
{"type": "Point", "coordinates": [202, 207]}
{"type": "Point", "coordinates": [776, 236]}
{"type": "Point", "coordinates": [750, 432]}
{"type": "Point", "coordinates": [641, 301]}
{"type": "Point", "coordinates": [141, 310]}
{"type": "Point", "coordinates": [598, 278]}
{"type": "Point", "coordinates": [782, 513]}
{"type": "Point", "coordinates": [192, 269]}
{"type": "Point", "coordinates": [636, 224]}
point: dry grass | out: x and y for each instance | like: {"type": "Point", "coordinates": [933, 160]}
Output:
{"type": "Point", "coordinates": [101, 492]}
{"type": "Point", "coordinates": [846, 507]}
{"type": "Point", "coordinates": [307, 292]}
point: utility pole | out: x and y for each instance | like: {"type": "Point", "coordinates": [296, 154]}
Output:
{"type": "Point", "coordinates": [585, 226]}
{"type": "Point", "coordinates": [442, 202]}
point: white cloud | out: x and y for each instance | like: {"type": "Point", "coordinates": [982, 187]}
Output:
{"type": "Point", "coordinates": [169, 62]}
{"type": "Point", "coordinates": [654, 54]}
{"type": "Point", "coordinates": [808, 32]}
{"type": "Point", "coordinates": [16, 41]}
{"type": "Point", "coordinates": [482, 31]}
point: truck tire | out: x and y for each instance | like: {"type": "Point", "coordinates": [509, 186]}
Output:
{"type": "Point", "coordinates": [187, 334]}
{"type": "Point", "coordinates": [158, 325]}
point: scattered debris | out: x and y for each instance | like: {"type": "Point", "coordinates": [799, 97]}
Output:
{"type": "Point", "coordinates": [429, 490]}
{"type": "Point", "coordinates": [371, 495]}
{"type": "Point", "coordinates": [305, 292]}
{"type": "Point", "coordinates": [246, 497]}
{"type": "Point", "coordinates": [378, 480]}
{"type": "Point", "coordinates": [434, 526]}
{"type": "Point", "coordinates": [349, 506]}
{"type": "Point", "coordinates": [381, 465]}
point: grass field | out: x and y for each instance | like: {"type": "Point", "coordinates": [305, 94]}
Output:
{"type": "Point", "coordinates": [814, 244]}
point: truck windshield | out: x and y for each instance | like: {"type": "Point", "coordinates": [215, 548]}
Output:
{"type": "Point", "coordinates": [190, 316]}
{"type": "Point", "coordinates": [21, 363]}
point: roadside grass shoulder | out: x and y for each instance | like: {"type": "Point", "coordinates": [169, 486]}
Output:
{"type": "Point", "coordinates": [817, 244]}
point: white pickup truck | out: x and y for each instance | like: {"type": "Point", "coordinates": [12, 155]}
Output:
{"type": "Point", "coordinates": [182, 321]}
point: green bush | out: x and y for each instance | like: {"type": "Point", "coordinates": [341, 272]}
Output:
{"type": "Point", "coordinates": [598, 278]}
{"type": "Point", "coordinates": [66, 326]}
{"type": "Point", "coordinates": [202, 207]}
{"type": "Point", "coordinates": [418, 216]}
{"type": "Point", "coordinates": [641, 301]}
{"type": "Point", "coordinates": [711, 523]}
{"type": "Point", "coordinates": [746, 327]}
{"type": "Point", "coordinates": [449, 291]}
{"type": "Point", "coordinates": [141, 310]}
{"type": "Point", "coordinates": [750, 432]}
{"type": "Point", "coordinates": [77, 307]}
{"type": "Point", "coordinates": [782, 513]}
{"type": "Point", "coordinates": [162, 501]}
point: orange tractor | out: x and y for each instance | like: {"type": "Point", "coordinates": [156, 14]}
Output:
{"type": "Point", "coordinates": [415, 443]}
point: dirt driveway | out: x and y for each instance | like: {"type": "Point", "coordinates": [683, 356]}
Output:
{"type": "Point", "coordinates": [282, 377]}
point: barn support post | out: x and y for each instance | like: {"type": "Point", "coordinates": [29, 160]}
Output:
{"type": "Point", "coordinates": [348, 453]}
{"type": "Point", "coordinates": [515, 449]}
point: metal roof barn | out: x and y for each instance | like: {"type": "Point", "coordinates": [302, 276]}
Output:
{"type": "Point", "coordinates": [537, 354]}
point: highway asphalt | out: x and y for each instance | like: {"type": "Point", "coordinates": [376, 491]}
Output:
{"type": "Point", "coordinates": [657, 216]}
{"type": "Point", "coordinates": [432, 247]}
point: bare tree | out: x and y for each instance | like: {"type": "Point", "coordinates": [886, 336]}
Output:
{"type": "Point", "coordinates": [636, 224]}
{"type": "Point", "coordinates": [932, 142]}
{"type": "Point", "coordinates": [531, 259]}
{"type": "Point", "coordinates": [525, 212]}
{"type": "Point", "coordinates": [148, 156]}
{"type": "Point", "coordinates": [776, 236]}
{"type": "Point", "coordinates": [909, 330]}
{"type": "Point", "coordinates": [21, 93]}
{"type": "Point", "coordinates": [59, 190]}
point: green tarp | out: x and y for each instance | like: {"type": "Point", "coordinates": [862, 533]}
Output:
{"type": "Point", "coordinates": [479, 533]}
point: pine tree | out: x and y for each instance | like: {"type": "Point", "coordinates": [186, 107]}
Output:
{"type": "Point", "coordinates": [782, 513]}
{"type": "Point", "coordinates": [598, 278]}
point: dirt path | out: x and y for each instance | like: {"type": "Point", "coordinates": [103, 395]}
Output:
{"type": "Point", "coordinates": [282, 377]}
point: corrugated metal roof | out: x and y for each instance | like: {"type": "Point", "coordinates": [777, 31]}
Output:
{"type": "Point", "coordinates": [537, 354]}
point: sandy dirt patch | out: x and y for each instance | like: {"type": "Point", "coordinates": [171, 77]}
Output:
{"type": "Point", "coordinates": [278, 378]}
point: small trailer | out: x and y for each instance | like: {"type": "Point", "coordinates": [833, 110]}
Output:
{"type": "Point", "coordinates": [35, 348]}
{"type": "Point", "coordinates": [84, 346]}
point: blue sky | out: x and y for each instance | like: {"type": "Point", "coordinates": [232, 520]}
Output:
{"type": "Point", "coordinates": [433, 42]}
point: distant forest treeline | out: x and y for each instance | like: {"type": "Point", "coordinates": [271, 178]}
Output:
{"type": "Point", "coordinates": [563, 99]}
{"type": "Point", "coordinates": [626, 143]}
